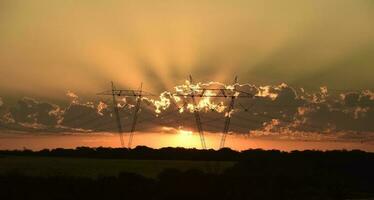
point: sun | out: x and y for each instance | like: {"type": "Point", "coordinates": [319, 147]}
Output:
{"type": "Point", "coordinates": [185, 133]}
{"type": "Point", "coordinates": [182, 137]}
{"type": "Point", "coordinates": [185, 138]}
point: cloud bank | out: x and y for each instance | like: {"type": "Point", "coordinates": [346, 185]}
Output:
{"type": "Point", "coordinates": [278, 111]}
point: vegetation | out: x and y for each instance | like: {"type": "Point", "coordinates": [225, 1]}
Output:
{"type": "Point", "coordinates": [253, 174]}
{"type": "Point", "coordinates": [93, 167]}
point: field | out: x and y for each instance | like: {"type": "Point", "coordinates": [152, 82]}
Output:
{"type": "Point", "coordinates": [90, 167]}
{"type": "Point", "coordinates": [96, 173]}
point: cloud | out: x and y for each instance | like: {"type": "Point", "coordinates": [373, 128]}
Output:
{"type": "Point", "coordinates": [73, 96]}
{"type": "Point", "coordinates": [30, 115]}
{"type": "Point", "coordinates": [29, 110]}
{"type": "Point", "coordinates": [5, 116]}
{"type": "Point", "coordinates": [352, 112]}
{"type": "Point", "coordinates": [101, 107]}
{"type": "Point", "coordinates": [277, 111]}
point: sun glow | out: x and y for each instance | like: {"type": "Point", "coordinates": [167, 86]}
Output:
{"type": "Point", "coordinates": [186, 138]}
{"type": "Point", "coordinates": [185, 133]}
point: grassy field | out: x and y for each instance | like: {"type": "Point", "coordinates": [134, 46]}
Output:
{"type": "Point", "coordinates": [87, 167]}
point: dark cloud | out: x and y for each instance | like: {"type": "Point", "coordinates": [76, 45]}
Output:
{"type": "Point", "coordinates": [29, 110]}
{"type": "Point", "coordinates": [272, 110]}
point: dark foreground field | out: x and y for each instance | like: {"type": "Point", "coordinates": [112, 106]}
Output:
{"type": "Point", "coordinates": [94, 167]}
{"type": "Point", "coordinates": [171, 173]}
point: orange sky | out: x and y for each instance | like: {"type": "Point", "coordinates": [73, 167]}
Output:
{"type": "Point", "coordinates": [49, 47]}
{"type": "Point", "coordinates": [178, 139]}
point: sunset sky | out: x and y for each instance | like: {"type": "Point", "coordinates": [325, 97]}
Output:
{"type": "Point", "coordinates": [309, 64]}
{"type": "Point", "coordinates": [49, 47]}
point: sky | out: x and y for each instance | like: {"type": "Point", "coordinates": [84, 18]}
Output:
{"type": "Point", "coordinates": [49, 47]}
{"type": "Point", "coordinates": [308, 64]}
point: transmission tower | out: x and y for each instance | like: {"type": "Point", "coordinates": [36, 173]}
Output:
{"type": "Point", "coordinates": [197, 116]}
{"type": "Point", "coordinates": [138, 94]}
{"type": "Point", "coordinates": [231, 93]}
{"type": "Point", "coordinates": [228, 117]}
{"type": "Point", "coordinates": [193, 93]}
{"type": "Point", "coordinates": [116, 113]}
{"type": "Point", "coordinates": [135, 118]}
